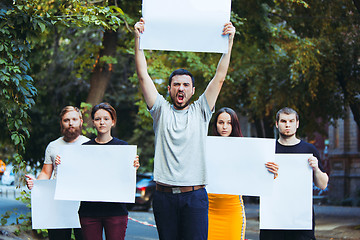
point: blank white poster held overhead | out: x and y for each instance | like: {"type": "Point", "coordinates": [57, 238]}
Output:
{"type": "Point", "coordinates": [185, 25]}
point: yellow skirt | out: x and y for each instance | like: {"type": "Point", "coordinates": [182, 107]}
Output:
{"type": "Point", "coordinates": [226, 217]}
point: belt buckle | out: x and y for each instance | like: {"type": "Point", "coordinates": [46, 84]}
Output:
{"type": "Point", "coordinates": [175, 190]}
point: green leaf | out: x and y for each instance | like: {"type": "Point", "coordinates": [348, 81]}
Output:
{"type": "Point", "coordinates": [15, 138]}
{"type": "Point", "coordinates": [27, 78]}
{"type": "Point", "coordinates": [16, 79]}
{"type": "Point", "coordinates": [117, 9]}
{"type": "Point", "coordinates": [86, 19]}
{"type": "Point", "coordinates": [42, 26]}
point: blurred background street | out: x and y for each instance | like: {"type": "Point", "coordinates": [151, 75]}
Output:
{"type": "Point", "coordinates": [332, 222]}
{"type": "Point", "coordinates": [300, 54]}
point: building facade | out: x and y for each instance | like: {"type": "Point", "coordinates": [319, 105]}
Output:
{"type": "Point", "coordinates": [344, 159]}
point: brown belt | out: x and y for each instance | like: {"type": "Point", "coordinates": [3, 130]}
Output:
{"type": "Point", "coordinates": [177, 189]}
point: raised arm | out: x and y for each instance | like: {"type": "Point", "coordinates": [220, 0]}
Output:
{"type": "Point", "coordinates": [147, 85]}
{"type": "Point", "coordinates": [213, 89]}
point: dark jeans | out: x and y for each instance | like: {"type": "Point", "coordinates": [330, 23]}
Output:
{"type": "Point", "coordinates": [115, 227]}
{"type": "Point", "coordinates": [287, 235]}
{"type": "Point", "coordinates": [64, 234]}
{"type": "Point", "coordinates": [182, 216]}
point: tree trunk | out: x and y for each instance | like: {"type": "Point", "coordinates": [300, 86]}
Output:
{"type": "Point", "coordinates": [264, 127]}
{"type": "Point", "coordinates": [259, 128]}
{"type": "Point", "coordinates": [354, 103]}
{"type": "Point", "coordinates": [355, 109]}
{"type": "Point", "coordinates": [268, 127]}
{"type": "Point", "coordinates": [102, 71]}
{"type": "Point", "coordinates": [350, 99]}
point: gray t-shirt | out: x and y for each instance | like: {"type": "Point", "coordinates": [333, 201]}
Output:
{"type": "Point", "coordinates": [52, 150]}
{"type": "Point", "coordinates": [180, 139]}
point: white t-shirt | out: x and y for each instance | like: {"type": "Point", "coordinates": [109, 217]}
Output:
{"type": "Point", "coordinates": [180, 139]}
{"type": "Point", "coordinates": [52, 150]}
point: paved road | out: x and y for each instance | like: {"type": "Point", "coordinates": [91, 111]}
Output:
{"type": "Point", "coordinates": [141, 226]}
{"type": "Point", "coordinates": [144, 221]}
{"type": "Point", "coordinates": [135, 231]}
{"type": "Point", "coordinates": [16, 207]}
{"type": "Point", "coordinates": [332, 222]}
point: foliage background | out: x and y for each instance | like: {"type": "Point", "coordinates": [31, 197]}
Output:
{"type": "Point", "coordinates": [56, 53]}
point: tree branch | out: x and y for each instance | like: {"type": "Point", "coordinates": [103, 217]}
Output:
{"type": "Point", "coordinates": [357, 4]}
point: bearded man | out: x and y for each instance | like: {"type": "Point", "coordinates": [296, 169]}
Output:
{"type": "Point", "coordinates": [71, 124]}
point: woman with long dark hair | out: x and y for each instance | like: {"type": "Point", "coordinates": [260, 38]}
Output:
{"type": "Point", "coordinates": [227, 218]}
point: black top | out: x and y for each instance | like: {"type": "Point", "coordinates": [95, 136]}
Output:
{"type": "Point", "coordinates": [268, 234]}
{"type": "Point", "coordinates": [301, 147]}
{"type": "Point", "coordinates": [114, 141]}
{"type": "Point", "coordinates": [103, 209]}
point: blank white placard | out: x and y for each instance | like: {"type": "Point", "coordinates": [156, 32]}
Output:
{"type": "Point", "coordinates": [185, 25]}
{"type": "Point", "coordinates": [290, 205]}
{"type": "Point", "coordinates": [48, 213]}
{"type": "Point", "coordinates": [97, 173]}
{"type": "Point", "coordinates": [236, 165]}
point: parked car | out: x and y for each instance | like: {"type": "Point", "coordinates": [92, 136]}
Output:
{"type": "Point", "coordinates": [145, 188]}
{"type": "Point", "coordinates": [8, 178]}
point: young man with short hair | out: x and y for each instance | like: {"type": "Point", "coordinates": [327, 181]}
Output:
{"type": "Point", "coordinates": [287, 123]}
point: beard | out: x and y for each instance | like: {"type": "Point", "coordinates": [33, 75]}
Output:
{"type": "Point", "coordinates": [70, 133]}
{"type": "Point", "coordinates": [177, 106]}
{"type": "Point", "coordinates": [284, 136]}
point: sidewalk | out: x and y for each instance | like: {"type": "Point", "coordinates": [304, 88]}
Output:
{"type": "Point", "coordinates": [332, 222]}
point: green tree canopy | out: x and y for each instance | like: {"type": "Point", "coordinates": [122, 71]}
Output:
{"type": "Point", "coordinates": [286, 53]}
{"type": "Point", "coordinates": [27, 25]}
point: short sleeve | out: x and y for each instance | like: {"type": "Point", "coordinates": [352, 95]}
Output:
{"type": "Point", "coordinates": [155, 111]}
{"type": "Point", "coordinates": [48, 154]}
{"type": "Point", "coordinates": [205, 108]}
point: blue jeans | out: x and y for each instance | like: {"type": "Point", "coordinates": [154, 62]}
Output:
{"type": "Point", "coordinates": [182, 216]}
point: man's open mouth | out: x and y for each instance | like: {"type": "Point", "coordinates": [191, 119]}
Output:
{"type": "Point", "coordinates": [181, 97]}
